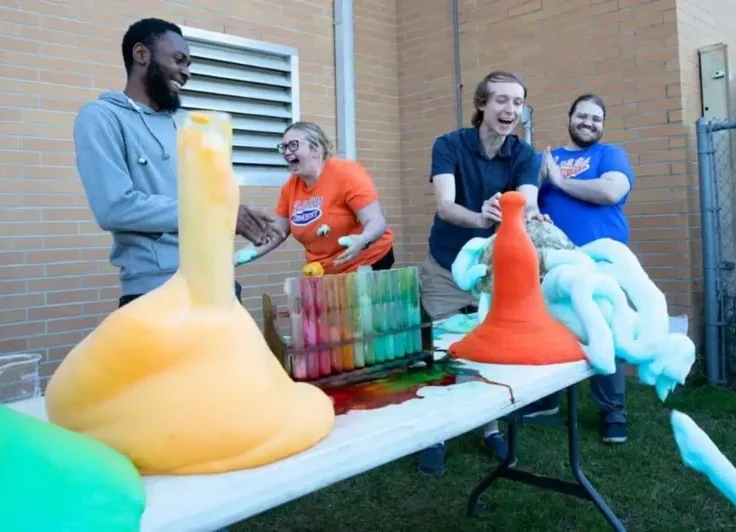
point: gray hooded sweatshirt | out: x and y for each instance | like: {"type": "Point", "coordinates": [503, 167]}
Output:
{"type": "Point", "coordinates": [126, 159]}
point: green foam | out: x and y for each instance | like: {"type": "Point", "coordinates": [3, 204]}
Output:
{"type": "Point", "coordinates": [52, 479]}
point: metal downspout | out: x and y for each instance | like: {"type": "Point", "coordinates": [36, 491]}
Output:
{"type": "Point", "coordinates": [458, 72]}
{"type": "Point", "coordinates": [528, 123]}
{"type": "Point", "coordinates": [345, 78]}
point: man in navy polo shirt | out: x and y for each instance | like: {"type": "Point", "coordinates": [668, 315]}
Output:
{"type": "Point", "coordinates": [471, 168]}
{"type": "Point", "coordinates": [585, 185]}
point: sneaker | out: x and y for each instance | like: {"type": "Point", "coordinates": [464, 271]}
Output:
{"type": "Point", "coordinates": [614, 433]}
{"type": "Point", "coordinates": [432, 460]}
{"type": "Point", "coordinates": [533, 410]}
{"type": "Point", "coordinates": [496, 443]}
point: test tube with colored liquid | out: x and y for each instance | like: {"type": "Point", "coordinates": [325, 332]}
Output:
{"type": "Point", "coordinates": [414, 335]}
{"type": "Point", "coordinates": [358, 346]}
{"type": "Point", "coordinates": [391, 295]}
{"type": "Point", "coordinates": [364, 278]}
{"type": "Point", "coordinates": [384, 278]}
{"type": "Point", "coordinates": [293, 299]}
{"type": "Point", "coordinates": [346, 319]}
{"type": "Point", "coordinates": [415, 313]}
{"type": "Point", "coordinates": [400, 307]}
{"type": "Point", "coordinates": [388, 309]}
{"type": "Point", "coordinates": [380, 320]}
{"type": "Point", "coordinates": [309, 323]}
{"type": "Point", "coordinates": [334, 321]}
{"type": "Point", "coordinates": [320, 310]}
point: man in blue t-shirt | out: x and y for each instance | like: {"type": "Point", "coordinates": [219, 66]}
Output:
{"type": "Point", "coordinates": [471, 168]}
{"type": "Point", "coordinates": [585, 185]}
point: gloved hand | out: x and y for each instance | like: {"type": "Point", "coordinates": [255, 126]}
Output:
{"type": "Point", "coordinates": [354, 243]}
{"type": "Point", "coordinates": [246, 255]}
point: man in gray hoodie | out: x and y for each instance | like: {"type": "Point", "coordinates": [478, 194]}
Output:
{"type": "Point", "coordinates": [126, 145]}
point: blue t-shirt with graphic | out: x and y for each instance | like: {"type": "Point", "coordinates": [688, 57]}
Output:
{"type": "Point", "coordinates": [581, 221]}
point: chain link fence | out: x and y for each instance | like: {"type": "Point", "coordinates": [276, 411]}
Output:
{"type": "Point", "coordinates": [716, 158]}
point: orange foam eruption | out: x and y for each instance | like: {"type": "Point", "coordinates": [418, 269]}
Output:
{"type": "Point", "coordinates": [518, 328]}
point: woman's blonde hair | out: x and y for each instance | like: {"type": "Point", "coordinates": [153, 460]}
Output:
{"type": "Point", "coordinates": [314, 135]}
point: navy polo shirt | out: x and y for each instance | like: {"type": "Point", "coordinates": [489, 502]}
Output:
{"type": "Point", "coordinates": [477, 178]}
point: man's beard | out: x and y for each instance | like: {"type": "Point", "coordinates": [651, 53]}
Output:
{"type": "Point", "coordinates": [580, 143]}
{"type": "Point", "coordinates": [158, 88]}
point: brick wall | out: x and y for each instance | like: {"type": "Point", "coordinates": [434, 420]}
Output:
{"type": "Point", "coordinates": [625, 50]}
{"type": "Point", "coordinates": [55, 279]}
{"type": "Point", "coordinates": [427, 101]}
{"type": "Point", "coordinates": [377, 107]}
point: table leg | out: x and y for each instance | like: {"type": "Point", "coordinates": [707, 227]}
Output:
{"type": "Point", "coordinates": [581, 488]}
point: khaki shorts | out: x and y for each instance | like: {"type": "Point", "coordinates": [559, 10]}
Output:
{"type": "Point", "coordinates": [441, 297]}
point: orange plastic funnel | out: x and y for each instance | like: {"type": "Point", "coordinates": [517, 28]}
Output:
{"type": "Point", "coordinates": [518, 328]}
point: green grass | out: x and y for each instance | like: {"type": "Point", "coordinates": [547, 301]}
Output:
{"type": "Point", "coordinates": [644, 480]}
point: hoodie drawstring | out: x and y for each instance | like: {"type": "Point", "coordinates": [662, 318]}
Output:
{"type": "Point", "coordinates": [134, 107]}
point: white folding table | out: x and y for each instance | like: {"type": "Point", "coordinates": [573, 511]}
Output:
{"type": "Point", "coordinates": [364, 440]}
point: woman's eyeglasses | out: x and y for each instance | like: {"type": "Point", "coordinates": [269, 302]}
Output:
{"type": "Point", "coordinates": [292, 146]}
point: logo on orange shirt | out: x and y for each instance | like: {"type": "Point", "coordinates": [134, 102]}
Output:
{"type": "Point", "coordinates": [575, 166]}
{"type": "Point", "coordinates": [307, 211]}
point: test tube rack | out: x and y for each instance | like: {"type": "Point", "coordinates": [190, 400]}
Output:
{"type": "Point", "coordinates": [348, 328]}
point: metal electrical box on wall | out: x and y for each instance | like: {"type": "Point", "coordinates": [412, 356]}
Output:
{"type": "Point", "coordinates": [715, 81]}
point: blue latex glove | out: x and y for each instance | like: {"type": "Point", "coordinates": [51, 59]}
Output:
{"type": "Point", "coordinates": [459, 324]}
{"type": "Point", "coordinates": [245, 255]}
{"type": "Point", "coordinates": [354, 244]}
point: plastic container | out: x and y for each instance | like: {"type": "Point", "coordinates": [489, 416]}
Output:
{"type": "Point", "coordinates": [19, 379]}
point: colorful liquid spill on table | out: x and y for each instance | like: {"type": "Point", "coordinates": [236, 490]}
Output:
{"type": "Point", "coordinates": [361, 319]}
{"type": "Point", "coordinates": [397, 386]}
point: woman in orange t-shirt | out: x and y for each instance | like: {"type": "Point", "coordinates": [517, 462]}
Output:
{"type": "Point", "coordinates": [330, 205]}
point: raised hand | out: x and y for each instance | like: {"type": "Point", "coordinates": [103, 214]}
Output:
{"type": "Point", "coordinates": [550, 168]}
{"type": "Point", "coordinates": [257, 226]}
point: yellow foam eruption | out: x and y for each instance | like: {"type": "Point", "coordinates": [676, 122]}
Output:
{"type": "Point", "coordinates": [181, 380]}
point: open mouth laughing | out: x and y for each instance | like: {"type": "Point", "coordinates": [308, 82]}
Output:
{"type": "Point", "coordinates": [506, 122]}
{"type": "Point", "coordinates": [293, 161]}
{"type": "Point", "coordinates": [176, 85]}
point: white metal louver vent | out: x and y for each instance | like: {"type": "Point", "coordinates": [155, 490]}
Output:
{"type": "Point", "coordinates": [258, 84]}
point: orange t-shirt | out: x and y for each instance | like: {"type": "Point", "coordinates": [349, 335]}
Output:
{"type": "Point", "coordinates": [343, 188]}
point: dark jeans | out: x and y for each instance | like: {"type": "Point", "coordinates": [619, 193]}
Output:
{"type": "Point", "coordinates": [130, 297]}
{"type": "Point", "coordinates": [609, 394]}
{"type": "Point", "coordinates": [385, 262]}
